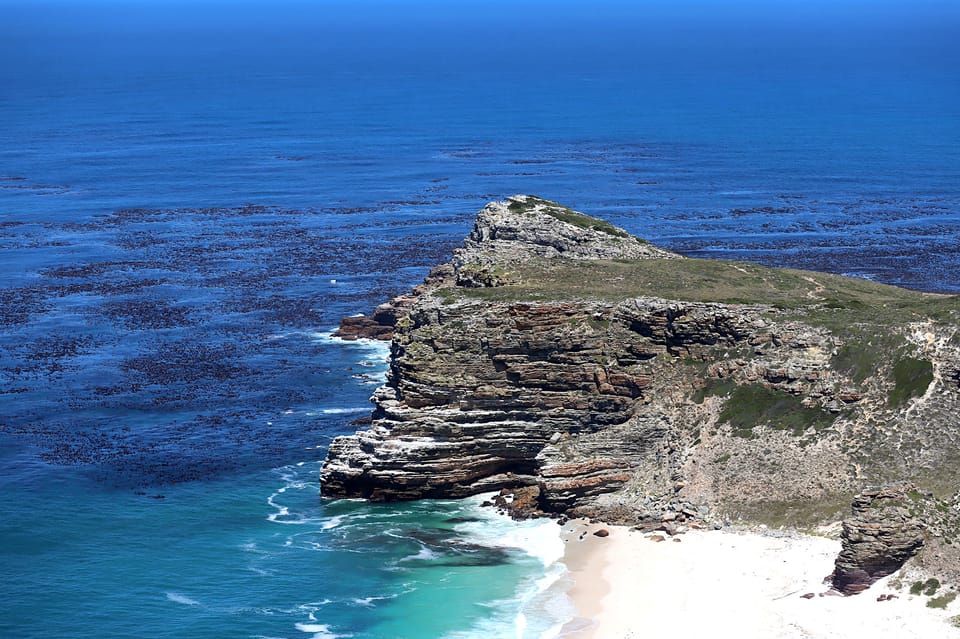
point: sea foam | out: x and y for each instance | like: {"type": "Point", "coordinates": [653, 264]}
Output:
{"type": "Point", "coordinates": [542, 609]}
{"type": "Point", "coordinates": [181, 599]}
{"type": "Point", "coordinates": [318, 630]}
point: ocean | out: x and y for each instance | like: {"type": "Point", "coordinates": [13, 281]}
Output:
{"type": "Point", "coordinates": [193, 194]}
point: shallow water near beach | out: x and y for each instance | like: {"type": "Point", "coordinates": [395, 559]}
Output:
{"type": "Point", "coordinates": [186, 213]}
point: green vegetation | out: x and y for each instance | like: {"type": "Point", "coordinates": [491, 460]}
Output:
{"type": "Point", "coordinates": [954, 621]}
{"type": "Point", "coordinates": [943, 600]}
{"type": "Point", "coordinates": [795, 514]}
{"type": "Point", "coordinates": [848, 305]}
{"type": "Point", "coordinates": [928, 587]}
{"type": "Point", "coordinates": [911, 377]}
{"type": "Point", "coordinates": [516, 206]}
{"type": "Point", "coordinates": [866, 349]}
{"type": "Point", "coordinates": [599, 323]}
{"type": "Point", "coordinates": [564, 214]}
{"type": "Point", "coordinates": [861, 356]}
{"type": "Point", "coordinates": [865, 316]}
{"type": "Point", "coordinates": [448, 295]}
{"type": "Point", "coordinates": [915, 495]}
{"type": "Point", "coordinates": [486, 275]}
{"type": "Point", "coordinates": [583, 221]}
{"type": "Point", "coordinates": [714, 388]}
{"type": "Point", "coordinates": [751, 405]}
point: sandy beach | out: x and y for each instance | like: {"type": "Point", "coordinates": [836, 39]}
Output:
{"type": "Point", "coordinates": [726, 583]}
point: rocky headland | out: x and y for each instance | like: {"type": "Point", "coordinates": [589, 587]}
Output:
{"type": "Point", "coordinates": [590, 373]}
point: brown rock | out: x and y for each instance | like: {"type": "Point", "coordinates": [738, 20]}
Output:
{"type": "Point", "coordinates": [878, 539]}
{"type": "Point", "coordinates": [481, 383]}
{"type": "Point", "coordinates": [602, 532]}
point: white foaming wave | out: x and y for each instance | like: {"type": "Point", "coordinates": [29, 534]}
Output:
{"type": "Point", "coordinates": [379, 347]}
{"type": "Point", "coordinates": [277, 336]}
{"type": "Point", "coordinates": [537, 538]}
{"type": "Point", "coordinates": [343, 411]}
{"type": "Point", "coordinates": [333, 522]}
{"type": "Point", "coordinates": [368, 602]}
{"type": "Point", "coordinates": [377, 354]}
{"type": "Point", "coordinates": [282, 511]}
{"type": "Point", "coordinates": [310, 609]}
{"type": "Point", "coordinates": [538, 610]}
{"type": "Point", "coordinates": [251, 547]}
{"type": "Point", "coordinates": [291, 476]}
{"type": "Point", "coordinates": [499, 626]}
{"type": "Point", "coordinates": [181, 599]}
{"type": "Point", "coordinates": [542, 606]}
{"type": "Point", "coordinates": [318, 630]}
{"type": "Point", "coordinates": [425, 554]}
{"type": "Point", "coordinates": [285, 517]}
{"type": "Point", "coordinates": [548, 602]}
{"type": "Point", "coordinates": [860, 275]}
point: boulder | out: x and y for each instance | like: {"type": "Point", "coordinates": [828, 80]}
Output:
{"type": "Point", "coordinates": [880, 536]}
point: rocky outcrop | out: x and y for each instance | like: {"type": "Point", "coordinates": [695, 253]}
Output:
{"type": "Point", "coordinates": [883, 533]}
{"type": "Point", "coordinates": [621, 381]}
{"type": "Point", "coordinates": [525, 228]}
{"type": "Point", "coordinates": [380, 324]}
{"type": "Point", "coordinates": [504, 235]}
{"type": "Point", "coordinates": [895, 526]}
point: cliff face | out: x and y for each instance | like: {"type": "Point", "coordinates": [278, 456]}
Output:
{"type": "Point", "coordinates": [620, 380]}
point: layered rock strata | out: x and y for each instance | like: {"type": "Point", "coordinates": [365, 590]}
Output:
{"type": "Point", "coordinates": [883, 533]}
{"type": "Point", "coordinates": [619, 380]}
{"type": "Point", "coordinates": [891, 526]}
{"type": "Point", "coordinates": [503, 235]}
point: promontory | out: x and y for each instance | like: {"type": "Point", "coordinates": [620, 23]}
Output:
{"type": "Point", "coordinates": [590, 373]}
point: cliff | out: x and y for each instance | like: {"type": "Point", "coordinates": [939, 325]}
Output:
{"type": "Point", "coordinates": [615, 379]}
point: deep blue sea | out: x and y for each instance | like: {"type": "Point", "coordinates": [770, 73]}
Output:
{"type": "Point", "coordinates": [193, 194]}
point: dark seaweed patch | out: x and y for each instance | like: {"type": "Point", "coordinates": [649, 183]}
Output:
{"type": "Point", "coordinates": [143, 314]}
{"type": "Point", "coordinates": [18, 305]}
{"type": "Point", "coordinates": [180, 362]}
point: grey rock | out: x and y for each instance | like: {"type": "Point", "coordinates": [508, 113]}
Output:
{"type": "Point", "coordinates": [878, 539]}
{"type": "Point", "coordinates": [624, 409]}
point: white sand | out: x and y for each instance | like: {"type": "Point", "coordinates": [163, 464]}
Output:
{"type": "Point", "coordinates": [730, 584]}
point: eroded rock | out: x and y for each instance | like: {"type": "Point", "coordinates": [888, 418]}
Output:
{"type": "Point", "coordinates": [512, 369]}
{"type": "Point", "coordinates": [883, 533]}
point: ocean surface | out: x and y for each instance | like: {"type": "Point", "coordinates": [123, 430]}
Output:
{"type": "Point", "coordinates": [193, 195]}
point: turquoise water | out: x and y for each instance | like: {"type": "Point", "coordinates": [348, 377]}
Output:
{"type": "Point", "coordinates": [259, 555]}
{"type": "Point", "coordinates": [215, 560]}
{"type": "Point", "coordinates": [192, 196]}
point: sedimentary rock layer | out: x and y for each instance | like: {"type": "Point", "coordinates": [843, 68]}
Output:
{"type": "Point", "coordinates": [559, 352]}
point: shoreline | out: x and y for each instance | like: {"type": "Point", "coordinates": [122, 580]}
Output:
{"type": "Point", "coordinates": [750, 583]}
